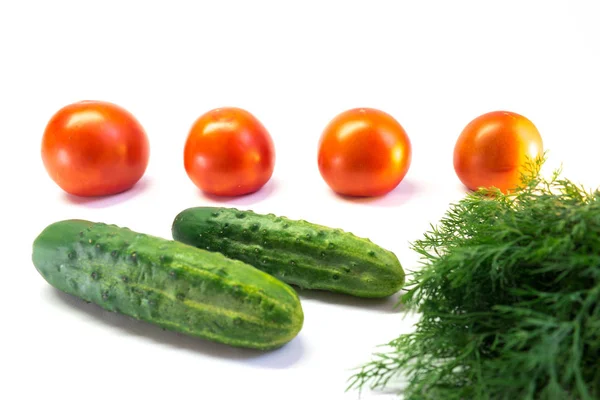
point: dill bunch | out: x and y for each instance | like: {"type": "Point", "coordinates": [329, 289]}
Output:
{"type": "Point", "coordinates": [508, 296]}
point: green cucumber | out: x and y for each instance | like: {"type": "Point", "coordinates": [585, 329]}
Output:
{"type": "Point", "coordinates": [168, 283]}
{"type": "Point", "coordinates": [297, 252]}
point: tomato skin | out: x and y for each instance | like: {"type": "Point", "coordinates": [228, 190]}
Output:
{"type": "Point", "coordinates": [492, 148]}
{"type": "Point", "coordinates": [228, 152]}
{"type": "Point", "coordinates": [94, 148]}
{"type": "Point", "coordinates": [364, 152]}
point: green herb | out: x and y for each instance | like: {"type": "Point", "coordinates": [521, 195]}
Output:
{"type": "Point", "coordinates": [509, 299]}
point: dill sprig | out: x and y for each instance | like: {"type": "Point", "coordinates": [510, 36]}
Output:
{"type": "Point", "coordinates": [508, 296]}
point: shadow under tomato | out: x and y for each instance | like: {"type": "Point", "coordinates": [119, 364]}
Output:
{"type": "Point", "coordinates": [399, 195]}
{"type": "Point", "coordinates": [282, 357]}
{"type": "Point", "coordinates": [462, 188]}
{"type": "Point", "coordinates": [247, 199]}
{"type": "Point", "coordinates": [109, 200]}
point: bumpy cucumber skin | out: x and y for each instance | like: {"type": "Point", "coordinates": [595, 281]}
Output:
{"type": "Point", "coordinates": [168, 283]}
{"type": "Point", "coordinates": [297, 252]}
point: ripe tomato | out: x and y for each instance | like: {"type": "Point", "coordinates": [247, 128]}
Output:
{"type": "Point", "coordinates": [492, 149]}
{"type": "Point", "coordinates": [364, 152]}
{"type": "Point", "coordinates": [94, 148]}
{"type": "Point", "coordinates": [228, 152]}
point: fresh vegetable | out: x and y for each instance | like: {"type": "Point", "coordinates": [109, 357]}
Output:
{"type": "Point", "coordinates": [364, 152]}
{"type": "Point", "coordinates": [168, 283]}
{"type": "Point", "coordinates": [95, 148]}
{"type": "Point", "coordinates": [509, 297]}
{"type": "Point", "coordinates": [297, 252]}
{"type": "Point", "coordinates": [492, 149]}
{"type": "Point", "coordinates": [228, 152]}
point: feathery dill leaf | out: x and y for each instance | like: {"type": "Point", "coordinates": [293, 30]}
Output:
{"type": "Point", "coordinates": [509, 298]}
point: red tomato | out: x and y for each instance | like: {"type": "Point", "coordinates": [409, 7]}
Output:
{"type": "Point", "coordinates": [364, 152]}
{"type": "Point", "coordinates": [228, 152]}
{"type": "Point", "coordinates": [94, 148]}
{"type": "Point", "coordinates": [491, 150]}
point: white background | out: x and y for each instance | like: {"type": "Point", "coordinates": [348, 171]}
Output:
{"type": "Point", "coordinates": [434, 65]}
